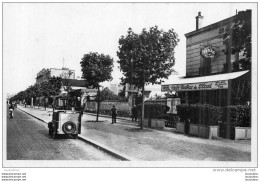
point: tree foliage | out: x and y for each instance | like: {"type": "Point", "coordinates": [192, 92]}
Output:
{"type": "Point", "coordinates": [148, 56]}
{"type": "Point", "coordinates": [239, 35]}
{"type": "Point", "coordinates": [54, 86]}
{"type": "Point", "coordinates": [46, 88]}
{"type": "Point", "coordinates": [96, 68]}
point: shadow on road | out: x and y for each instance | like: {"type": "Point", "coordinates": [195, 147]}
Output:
{"type": "Point", "coordinates": [45, 133]}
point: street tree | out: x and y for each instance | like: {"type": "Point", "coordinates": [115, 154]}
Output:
{"type": "Point", "coordinates": [27, 95]}
{"type": "Point", "coordinates": [50, 88]}
{"type": "Point", "coordinates": [96, 68]}
{"type": "Point", "coordinates": [238, 38]}
{"type": "Point", "coordinates": [33, 91]}
{"type": "Point", "coordinates": [47, 88]}
{"type": "Point", "coordinates": [54, 88]}
{"type": "Point", "coordinates": [147, 57]}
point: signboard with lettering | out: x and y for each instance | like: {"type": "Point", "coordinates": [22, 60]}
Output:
{"type": "Point", "coordinates": [223, 84]}
{"type": "Point", "coordinates": [208, 52]}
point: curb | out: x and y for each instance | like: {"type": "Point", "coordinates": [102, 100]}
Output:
{"type": "Point", "coordinates": [104, 148]}
{"type": "Point", "coordinates": [32, 115]}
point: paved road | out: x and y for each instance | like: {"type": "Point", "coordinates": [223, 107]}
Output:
{"type": "Point", "coordinates": [28, 139]}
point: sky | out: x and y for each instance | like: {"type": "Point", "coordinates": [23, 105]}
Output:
{"type": "Point", "coordinates": [42, 35]}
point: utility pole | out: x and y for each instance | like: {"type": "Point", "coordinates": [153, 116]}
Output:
{"type": "Point", "coordinates": [63, 62]}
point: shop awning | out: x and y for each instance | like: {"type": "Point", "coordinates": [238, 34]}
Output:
{"type": "Point", "coordinates": [212, 82]}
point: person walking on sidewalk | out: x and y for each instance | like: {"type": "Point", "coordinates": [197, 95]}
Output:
{"type": "Point", "coordinates": [134, 113]}
{"type": "Point", "coordinates": [114, 114]}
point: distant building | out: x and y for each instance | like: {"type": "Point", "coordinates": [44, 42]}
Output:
{"type": "Point", "coordinates": [79, 78]}
{"type": "Point", "coordinates": [68, 79]}
{"type": "Point", "coordinates": [120, 88]}
{"type": "Point", "coordinates": [64, 73]}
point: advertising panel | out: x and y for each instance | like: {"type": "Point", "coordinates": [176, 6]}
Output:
{"type": "Point", "coordinates": [172, 103]}
{"type": "Point", "coordinates": [223, 84]}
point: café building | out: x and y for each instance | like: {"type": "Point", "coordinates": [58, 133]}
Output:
{"type": "Point", "coordinates": [211, 77]}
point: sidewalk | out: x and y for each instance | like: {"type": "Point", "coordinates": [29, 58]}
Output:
{"type": "Point", "coordinates": [127, 139]}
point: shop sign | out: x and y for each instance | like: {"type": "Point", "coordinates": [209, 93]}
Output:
{"type": "Point", "coordinates": [223, 84]}
{"type": "Point", "coordinates": [208, 52]}
{"type": "Point", "coordinates": [172, 103]}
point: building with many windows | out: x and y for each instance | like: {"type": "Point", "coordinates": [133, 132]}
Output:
{"type": "Point", "coordinates": [64, 73]}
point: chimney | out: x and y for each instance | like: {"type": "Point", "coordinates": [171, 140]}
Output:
{"type": "Point", "coordinates": [199, 21]}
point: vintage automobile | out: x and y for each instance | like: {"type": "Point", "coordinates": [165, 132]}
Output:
{"type": "Point", "coordinates": [65, 123]}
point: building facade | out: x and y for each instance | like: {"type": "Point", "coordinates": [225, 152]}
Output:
{"type": "Point", "coordinates": [64, 73]}
{"type": "Point", "coordinates": [211, 74]}
{"type": "Point", "coordinates": [209, 40]}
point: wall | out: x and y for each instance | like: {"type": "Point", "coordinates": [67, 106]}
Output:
{"type": "Point", "coordinates": [90, 105]}
{"type": "Point", "coordinates": [44, 74]}
{"type": "Point", "coordinates": [120, 106]}
{"type": "Point", "coordinates": [194, 61]}
{"type": "Point", "coordinates": [107, 105]}
{"type": "Point", "coordinates": [210, 35]}
{"type": "Point", "coordinates": [63, 73]}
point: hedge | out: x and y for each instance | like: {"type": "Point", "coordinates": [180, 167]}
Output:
{"type": "Point", "coordinates": [212, 115]}
{"type": "Point", "coordinates": [239, 114]}
{"type": "Point", "coordinates": [156, 111]}
{"type": "Point", "coordinates": [209, 114]}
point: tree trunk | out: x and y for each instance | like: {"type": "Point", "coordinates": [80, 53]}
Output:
{"type": "Point", "coordinates": [98, 94]}
{"type": "Point", "coordinates": [53, 104]}
{"type": "Point", "coordinates": [142, 117]}
{"type": "Point", "coordinates": [45, 103]}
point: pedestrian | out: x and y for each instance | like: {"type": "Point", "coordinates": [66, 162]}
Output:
{"type": "Point", "coordinates": [114, 114]}
{"type": "Point", "coordinates": [11, 110]}
{"type": "Point", "coordinates": [134, 113]}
